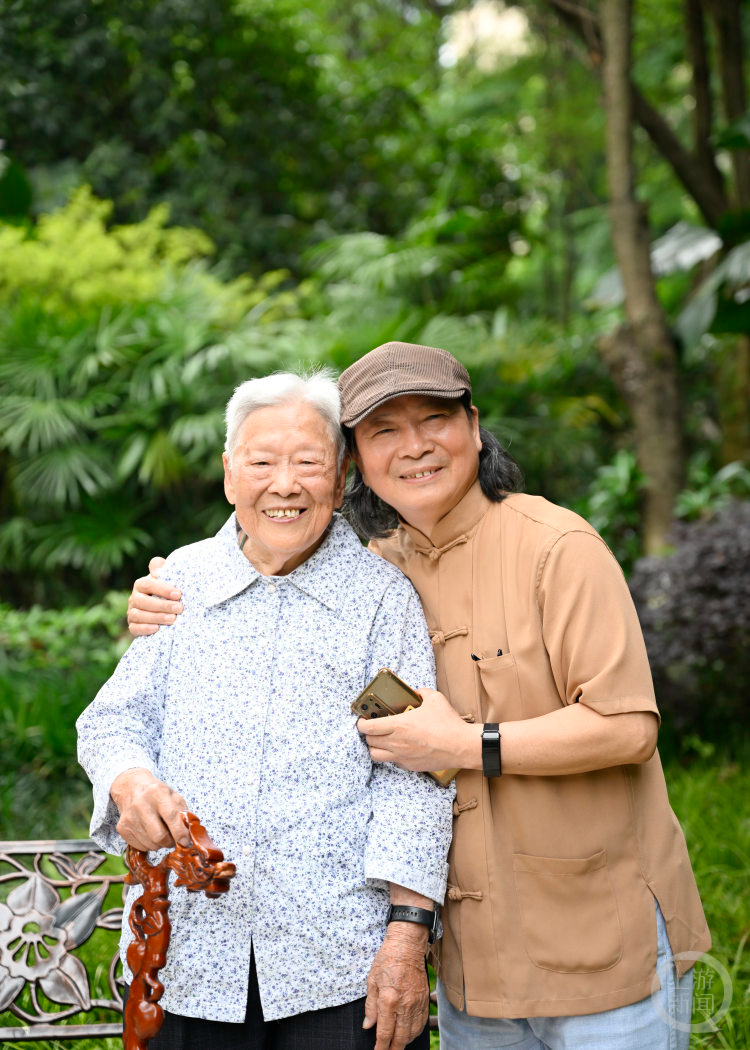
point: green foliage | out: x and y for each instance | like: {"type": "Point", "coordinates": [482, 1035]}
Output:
{"type": "Point", "coordinates": [708, 491]}
{"type": "Point", "coordinates": [53, 656]}
{"type": "Point", "coordinates": [257, 121]}
{"type": "Point", "coordinates": [15, 190]}
{"type": "Point", "coordinates": [117, 359]}
{"type": "Point", "coordinates": [77, 263]}
{"type": "Point", "coordinates": [712, 800]}
{"type": "Point", "coordinates": [115, 375]}
{"type": "Point", "coordinates": [167, 100]}
{"type": "Point", "coordinates": [52, 663]}
{"type": "Point", "coordinates": [721, 303]}
{"type": "Point", "coordinates": [541, 388]}
{"type": "Point", "coordinates": [612, 506]}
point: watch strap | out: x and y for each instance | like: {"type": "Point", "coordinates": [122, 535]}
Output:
{"type": "Point", "coordinates": [491, 761]}
{"type": "Point", "coordinates": [410, 913]}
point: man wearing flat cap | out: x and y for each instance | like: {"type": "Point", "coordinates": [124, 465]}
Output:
{"type": "Point", "coordinates": [572, 916]}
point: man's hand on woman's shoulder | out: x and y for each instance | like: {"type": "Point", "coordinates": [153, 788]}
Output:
{"type": "Point", "coordinates": [152, 602]}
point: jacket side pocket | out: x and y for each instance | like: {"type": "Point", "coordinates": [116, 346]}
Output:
{"type": "Point", "coordinates": [569, 912]}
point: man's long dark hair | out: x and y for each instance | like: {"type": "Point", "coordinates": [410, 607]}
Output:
{"type": "Point", "coordinates": [371, 517]}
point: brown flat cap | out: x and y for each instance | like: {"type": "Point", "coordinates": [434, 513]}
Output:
{"type": "Point", "coordinates": [397, 369]}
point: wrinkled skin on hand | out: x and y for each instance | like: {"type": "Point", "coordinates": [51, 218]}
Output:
{"type": "Point", "coordinates": [150, 811]}
{"type": "Point", "coordinates": [398, 992]}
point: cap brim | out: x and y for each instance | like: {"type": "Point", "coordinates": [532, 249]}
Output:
{"type": "Point", "coordinates": [447, 394]}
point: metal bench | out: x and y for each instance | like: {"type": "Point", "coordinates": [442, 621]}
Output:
{"type": "Point", "coordinates": [55, 905]}
{"type": "Point", "coordinates": [60, 915]}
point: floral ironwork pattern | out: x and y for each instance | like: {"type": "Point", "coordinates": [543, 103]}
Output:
{"type": "Point", "coordinates": [40, 929]}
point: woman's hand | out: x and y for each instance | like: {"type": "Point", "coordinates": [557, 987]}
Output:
{"type": "Point", "coordinates": [152, 602]}
{"type": "Point", "coordinates": [433, 736]}
{"type": "Point", "coordinates": [398, 993]}
{"type": "Point", "coordinates": [150, 811]}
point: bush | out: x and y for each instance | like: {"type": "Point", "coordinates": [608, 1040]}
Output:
{"type": "Point", "coordinates": [694, 606]}
{"type": "Point", "coordinates": [118, 352]}
{"type": "Point", "coordinates": [52, 663]}
{"type": "Point", "coordinates": [613, 506]}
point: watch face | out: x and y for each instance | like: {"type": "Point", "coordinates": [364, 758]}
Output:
{"type": "Point", "coordinates": [434, 927]}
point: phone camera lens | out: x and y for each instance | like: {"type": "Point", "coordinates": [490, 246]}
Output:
{"type": "Point", "coordinates": [365, 707]}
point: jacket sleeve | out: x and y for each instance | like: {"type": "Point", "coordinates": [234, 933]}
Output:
{"type": "Point", "coordinates": [591, 629]}
{"type": "Point", "coordinates": [121, 728]}
{"type": "Point", "coordinates": [411, 825]}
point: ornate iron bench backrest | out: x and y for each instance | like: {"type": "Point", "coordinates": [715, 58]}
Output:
{"type": "Point", "coordinates": [53, 900]}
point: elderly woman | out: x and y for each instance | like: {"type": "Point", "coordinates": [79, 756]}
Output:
{"type": "Point", "coordinates": [240, 711]}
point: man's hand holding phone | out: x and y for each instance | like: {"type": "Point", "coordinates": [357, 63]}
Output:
{"type": "Point", "coordinates": [405, 740]}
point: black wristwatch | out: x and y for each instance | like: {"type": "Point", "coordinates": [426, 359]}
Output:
{"type": "Point", "coordinates": [492, 765]}
{"type": "Point", "coordinates": [423, 916]}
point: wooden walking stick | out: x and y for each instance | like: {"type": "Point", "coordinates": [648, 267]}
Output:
{"type": "Point", "coordinates": [199, 868]}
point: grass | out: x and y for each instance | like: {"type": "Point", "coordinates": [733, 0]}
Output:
{"type": "Point", "coordinates": [712, 799]}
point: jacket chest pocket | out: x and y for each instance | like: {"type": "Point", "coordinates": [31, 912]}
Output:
{"type": "Point", "coordinates": [569, 912]}
{"type": "Point", "coordinates": [500, 689]}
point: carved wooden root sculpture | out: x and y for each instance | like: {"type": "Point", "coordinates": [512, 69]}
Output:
{"type": "Point", "coordinates": [200, 867]}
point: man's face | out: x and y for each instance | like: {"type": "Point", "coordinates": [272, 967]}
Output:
{"type": "Point", "coordinates": [420, 455]}
{"type": "Point", "coordinates": [284, 484]}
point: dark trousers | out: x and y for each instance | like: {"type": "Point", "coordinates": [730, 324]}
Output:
{"type": "Point", "coordinates": [335, 1028]}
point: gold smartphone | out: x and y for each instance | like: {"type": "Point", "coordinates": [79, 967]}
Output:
{"type": "Point", "coordinates": [387, 695]}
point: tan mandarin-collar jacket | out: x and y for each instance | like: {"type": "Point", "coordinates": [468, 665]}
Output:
{"type": "Point", "coordinates": [550, 909]}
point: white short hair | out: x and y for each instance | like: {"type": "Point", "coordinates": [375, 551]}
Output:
{"type": "Point", "coordinates": [316, 388]}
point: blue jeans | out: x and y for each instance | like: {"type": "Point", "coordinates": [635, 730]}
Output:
{"type": "Point", "coordinates": [635, 1027]}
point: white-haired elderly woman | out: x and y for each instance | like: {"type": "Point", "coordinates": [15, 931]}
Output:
{"type": "Point", "coordinates": [240, 712]}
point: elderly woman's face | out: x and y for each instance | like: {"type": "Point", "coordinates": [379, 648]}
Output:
{"type": "Point", "coordinates": [284, 484]}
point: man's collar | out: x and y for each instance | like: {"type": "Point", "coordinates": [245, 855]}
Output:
{"type": "Point", "coordinates": [233, 573]}
{"type": "Point", "coordinates": [458, 522]}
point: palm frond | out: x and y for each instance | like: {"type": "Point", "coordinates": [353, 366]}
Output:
{"type": "Point", "coordinates": [97, 539]}
{"type": "Point", "coordinates": [60, 476]}
{"type": "Point", "coordinates": [15, 543]}
{"type": "Point", "coordinates": [30, 424]}
{"type": "Point", "coordinates": [199, 435]}
{"type": "Point", "coordinates": [163, 463]}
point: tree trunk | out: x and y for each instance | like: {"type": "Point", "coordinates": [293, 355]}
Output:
{"type": "Point", "coordinates": [734, 401]}
{"type": "Point", "coordinates": [706, 190]}
{"type": "Point", "coordinates": [703, 117]}
{"type": "Point", "coordinates": [728, 21]}
{"type": "Point", "coordinates": [642, 354]}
